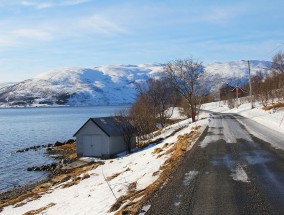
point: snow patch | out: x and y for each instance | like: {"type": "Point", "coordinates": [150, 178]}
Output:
{"type": "Point", "coordinates": [188, 177]}
{"type": "Point", "coordinates": [239, 174]}
{"type": "Point", "coordinates": [144, 209]}
{"type": "Point", "coordinates": [177, 204]}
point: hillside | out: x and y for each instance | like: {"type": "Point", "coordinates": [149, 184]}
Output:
{"type": "Point", "coordinates": [108, 85]}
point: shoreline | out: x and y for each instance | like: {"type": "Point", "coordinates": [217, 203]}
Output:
{"type": "Point", "coordinates": [65, 153]}
{"type": "Point", "coordinates": [64, 106]}
{"type": "Point", "coordinates": [18, 191]}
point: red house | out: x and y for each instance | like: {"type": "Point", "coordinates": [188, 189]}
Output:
{"type": "Point", "coordinates": [239, 92]}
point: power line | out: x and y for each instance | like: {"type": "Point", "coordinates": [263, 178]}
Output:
{"type": "Point", "coordinates": [273, 50]}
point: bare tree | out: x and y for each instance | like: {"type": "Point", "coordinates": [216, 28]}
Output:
{"type": "Point", "coordinates": [278, 67]}
{"type": "Point", "coordinates": [184, 77]}
{"type": "Point", "coordinates": [162, 98]}
{"type": "Point", "coordinates": [278, 62]}
{"type": "Point", "coordinates": [125, 124]}
{"type": "Point", "coordinates": [143, 117]}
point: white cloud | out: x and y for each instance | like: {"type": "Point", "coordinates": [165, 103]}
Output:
{"type": "Point", "coordinates": [74, 2]}
{"type": "Point", "coordinates": [102, 25]}
{"type": "Point", "coordinates": [8, 42]}
{"type": "Point", "coordinates": [50, 3]}
{"type": "Point", "coordinates": [31, 33]}
{"type": "Point", "coordinates": [221, 15]}
{"type": "Point", "coordinates": [16, 37]}
{"type": "Point", "coordinates": [36, 4]}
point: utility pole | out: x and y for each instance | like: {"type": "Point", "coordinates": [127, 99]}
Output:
{"type": "Point", "coordinates": [250, 89]}
{"type": "Point", "coordinates": [237, 89]}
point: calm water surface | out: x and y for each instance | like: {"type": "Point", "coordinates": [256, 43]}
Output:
{"type": "Point", "coordinates": [24, 127]}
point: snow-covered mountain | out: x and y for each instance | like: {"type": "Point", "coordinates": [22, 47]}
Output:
{"type": "Point", "coordinates": [235, 72]}
{"type": "Point", "coordinates": [105, 85]}
{"type": "Point", "coordinates": [6, 84]}
{"type": "Point", "coordinates": [108, 85]}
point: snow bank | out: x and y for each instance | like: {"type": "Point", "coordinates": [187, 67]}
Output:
{"type": "Point", "coordinates": [271, 118]}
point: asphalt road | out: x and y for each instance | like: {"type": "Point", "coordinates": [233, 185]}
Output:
{"type": "Point", "coordinates": [231, 170]}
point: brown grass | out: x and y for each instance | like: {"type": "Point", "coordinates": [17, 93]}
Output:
{"type": "Point", "coordinates": [130, 205]}
{"type": "Point", "coordinates": [156, 173]}
{"type": "Point", "coordinates": [69, 148]}
{"type": "Point", "coordinates": [109, 178]}
{"type": "Point", "coordinates": [33, 212]}
{"type": "Point", "coordinates": [74, 174]}
{"type": "Point", "coordinates": [157, 151]}
{"type": "Point", "coordinates": [274, 105]}
{"type": "Point", "coordinates": [165, 145]}
{"type": "Point", "coordinates": [132, 187]}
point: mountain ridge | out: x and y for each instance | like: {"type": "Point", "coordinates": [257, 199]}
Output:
{"type": "Point", "coordinates": [106, 85]}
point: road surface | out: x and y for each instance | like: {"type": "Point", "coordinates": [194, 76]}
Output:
{"type": "Point", "coordinates": [234, 169]}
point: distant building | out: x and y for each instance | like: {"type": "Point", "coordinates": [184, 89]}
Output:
{"type": "Point", "coordinates": [227, 92]}
{"type": "Point", "coordinates": [239, 92]}
{"type": "Point", "coordinates": [101, 137]}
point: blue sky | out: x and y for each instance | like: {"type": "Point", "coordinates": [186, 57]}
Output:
{"type": "Point", "coordinates": [37, 36]}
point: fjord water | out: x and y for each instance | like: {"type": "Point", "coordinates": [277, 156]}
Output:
{"type": "Point", "coordinates": [24, 127]}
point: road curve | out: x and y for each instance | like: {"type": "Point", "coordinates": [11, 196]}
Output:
{"type": "Point", "coordinates": [232, 170]}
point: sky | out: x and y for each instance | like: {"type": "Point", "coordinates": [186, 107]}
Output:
{"type": "Point", "coordinates": [38, 36]}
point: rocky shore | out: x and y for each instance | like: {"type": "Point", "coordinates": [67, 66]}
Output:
{"type": "Point", "coordinates": [64, 152]}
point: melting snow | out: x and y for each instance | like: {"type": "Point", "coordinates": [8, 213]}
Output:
{"type": "Point", "coordinates": [239, 174]}
{"type": "Point", "coordinates": [188, 177]}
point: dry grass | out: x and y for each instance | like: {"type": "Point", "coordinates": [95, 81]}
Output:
{"type": "Point", "coordinates": [170, 150]}
{"type": "Point", "coordinates": [165, 145]}
{"type": "Point", "coordinates": [36, 193]}
{"type": "Point", "coordinates": [33, 212]}
{"type": "Point", "coordinates": [109, 178]}
{"type": "Point", "coordinates": [75, 175]}
{"type": "Point", "coordinates": [156, 173]}
{"type": "Point", "coordinates": [69, 148]}
{"type": "Point", "coordinates": [70, 184]}
{"type": "Point", "coordinates": [127, 205]}
{"type": "Point", "coordinates": [132, 187]}
{"type": "Point", "coordinates": [157, 151]}
{"type": "Point", "coordinates": [274, 105]}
